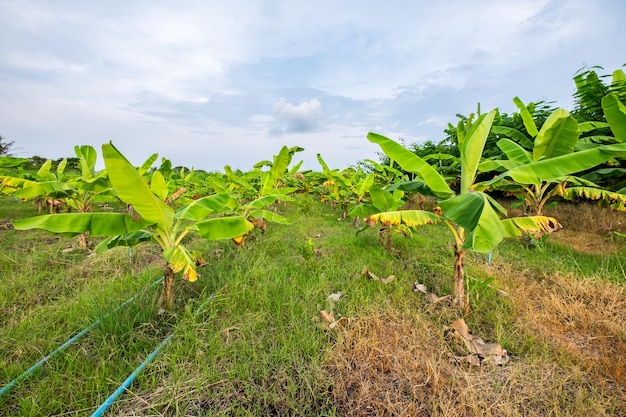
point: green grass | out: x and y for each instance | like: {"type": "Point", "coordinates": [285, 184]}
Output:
{"type": "Point", "coordinates": [258, 347]}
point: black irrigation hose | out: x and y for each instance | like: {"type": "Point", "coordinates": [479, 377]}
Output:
{"type": "Point", "coordinates": [61, 348]}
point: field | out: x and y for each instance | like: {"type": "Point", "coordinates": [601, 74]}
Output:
{"type": "Point", "coordinates": [250, 339]}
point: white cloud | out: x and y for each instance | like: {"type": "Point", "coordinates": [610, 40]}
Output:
{"type": "Point", "coordinates": [299, 118]}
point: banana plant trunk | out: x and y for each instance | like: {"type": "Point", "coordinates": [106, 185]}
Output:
{"type": "Point", "coordinates": [460, 297]}
{"type": "Point", "coordinates": [166, 301]}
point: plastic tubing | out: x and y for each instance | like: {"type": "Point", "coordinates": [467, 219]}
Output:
{"type": "Point", "coordinates": [128, 381]}
{"type": "Point", "coordinates": [61, 348]}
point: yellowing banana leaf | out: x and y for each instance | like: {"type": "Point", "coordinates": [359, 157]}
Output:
{"type": "Point", "coordinates": [558, 136]}
{"type": "Point", "coordinates": [413, 163]}
{"type": "Point", "coordinates": [203, 207]}
{"type": "Point", "coordinates": [531, 225]}
{"type": "Point", "coordinates": [411, 218]}
{"type": "Point", "coordinates": [616, 200]}
{"type": "Point", "coordinates": [73, 224]}
{"type": "Point", "coordinates": [132, 189]}
{"type": "Point", "coordinates": [223, 227]}
{"type": "Point", "coordinates": [179, 259]}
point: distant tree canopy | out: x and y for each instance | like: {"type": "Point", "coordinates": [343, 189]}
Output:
{"type": "Point", "coordinates": [6, 147]}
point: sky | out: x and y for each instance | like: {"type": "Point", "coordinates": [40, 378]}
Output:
{"type": "Point", "coordinates": [208, 84]}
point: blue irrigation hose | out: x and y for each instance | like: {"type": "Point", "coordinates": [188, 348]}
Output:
{"type": "Point", "coordinates": [61, 348]}
{"type": "Point", "coordinates": [120, 390]}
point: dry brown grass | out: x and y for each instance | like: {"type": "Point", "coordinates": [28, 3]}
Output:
{"type": "Point", "coordinates": [385, 365]}
{"type": "Point", "coordinates": [583, 319]}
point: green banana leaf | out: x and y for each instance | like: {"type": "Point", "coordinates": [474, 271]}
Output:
{"type": "Point", "coordinates": [130, 239]}
{"type": "Point", "coordinates": [514, 151]}
{"type": "Point", "coordinates": [203, 207]}
{"type": "Point", "coordinates": [223, 227]}
{"type": "Point", "coordinates": [527, 118]}
{"type": "Point", "coordinates": [132, 189]}
{"type": "Point", "coordinates": [615, 112]}
{"type": "Point", "coordinates": [364, 186]}
{"type": "Point", "coordinates": [488, 232]}
{"type": "Point", "coordinates": [269, 216]}
{"type": "Point", "coordinates": [558, 136]}
{"type": "Point", "coordinates": [32, 189]}
{"type": "Point", "coordinates": [589, 126]}
{"type": "Point", "coordinates": [472, 149]}
{"type": "Point", "coordinates": [87, 156]}
{"type": "Point", "coordinates": [73, 224]}
{"type": "Point", "coordinates": [514, 134]}
{"type": "Point", "coordinates": [413, 163]}
{"type": "Point", "coordinates": [552, 168]}
{"type": "Point", "coordinates": [158, 185]}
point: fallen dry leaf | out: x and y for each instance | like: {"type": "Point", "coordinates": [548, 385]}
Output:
{"type": "Point", "coordinates": [330, 319]}
{"type": "Point", "coordinates": [369, 274]}
{"type": "Point", "coordinates": [484, 352]}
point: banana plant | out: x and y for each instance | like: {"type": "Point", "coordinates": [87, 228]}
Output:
{"type": "Point", "coordinates": [473, 218]}
{"type": "Point", "coordinates": [553, 152]}
{"type": "Point", "coordinates": [381, 201]}
{"type": "Point", "coordinates": [159, 222]}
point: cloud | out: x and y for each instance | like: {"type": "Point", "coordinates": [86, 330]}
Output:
{"type": "Point", "coordinates": [303, 117]}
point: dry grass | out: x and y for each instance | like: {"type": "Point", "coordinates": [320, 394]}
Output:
{"type": "Point", "coordinates": [583, 319]}
{"type": "Point", "coordinates": [386, 365]}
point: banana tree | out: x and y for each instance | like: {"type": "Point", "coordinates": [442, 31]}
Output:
{"type": "Point", "coordinates": [557, 139]}
{"type": "Point", "coordinates": [472, 217]}
{"type": "Point", "coordinates": [381, 201]}
{"type": "Point", "coordinates": [159, 222]}
{"type": "Point", "coordinates": [555, 160]}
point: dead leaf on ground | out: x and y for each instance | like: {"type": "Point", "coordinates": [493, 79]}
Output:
{"type": "Point", "coordinates": [434, 298]}
{"type": "Point", "coordinates": [330, 319]}
{"type": "Point", "coordinates": [369, 274]}
{"type": "Point", "coordinates": [480, 352]}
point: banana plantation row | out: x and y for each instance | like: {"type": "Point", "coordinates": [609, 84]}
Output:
{"type": "Point", "coordinates": [163, 205]}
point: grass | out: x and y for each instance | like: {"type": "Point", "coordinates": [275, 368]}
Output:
{"type": "Point", "coordinates": [259, 346]}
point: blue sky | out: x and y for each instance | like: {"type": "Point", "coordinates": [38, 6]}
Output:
{"type": "Point", "coordinates": [207, 84]}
